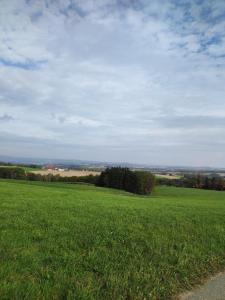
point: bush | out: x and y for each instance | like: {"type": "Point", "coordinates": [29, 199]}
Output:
{"type": "Point", "coordinates": [138, 182]}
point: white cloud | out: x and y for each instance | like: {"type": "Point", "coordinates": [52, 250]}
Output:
{"type": "Point", "coordinates": [95, 74]}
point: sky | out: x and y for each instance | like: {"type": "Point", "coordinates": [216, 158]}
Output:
{"type": "Point", "coordinates": [140, 81]}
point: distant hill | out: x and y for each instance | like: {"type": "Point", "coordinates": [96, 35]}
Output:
{"type": "Point", "coordinates": [101, 164]}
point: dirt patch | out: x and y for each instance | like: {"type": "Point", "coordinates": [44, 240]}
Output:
{"type": "Point", "coordinates": [67, 173]}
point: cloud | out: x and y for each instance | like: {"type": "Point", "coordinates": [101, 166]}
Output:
{"type": "Point", "coordinates": [99, 79]}
{"type": "Point", "coordinates": [6, 118]}
{"type": "Point", "coordinates": [27, 65]}
{"type": "Point", "coordinates": [75, 120]}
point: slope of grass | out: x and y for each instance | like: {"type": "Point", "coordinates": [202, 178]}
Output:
{"type": "Point", "coordinates": [61, 241]}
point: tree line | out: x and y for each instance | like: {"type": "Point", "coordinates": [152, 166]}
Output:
{"type": "Point", "coordinates": [198, 181]}
{"type": "Point", "coordinates": [20, 173]}
{"type": "Point", "coordinates": [33, 166]}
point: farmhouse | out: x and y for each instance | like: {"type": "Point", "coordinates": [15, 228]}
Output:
{"type": "Point", "coordinates": [50, 167]}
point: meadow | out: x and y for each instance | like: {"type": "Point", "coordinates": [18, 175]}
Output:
{"type": "Point", "coordinates": [70, 241]}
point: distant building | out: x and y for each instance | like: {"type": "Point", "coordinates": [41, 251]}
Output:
{"type": "Point", "coordinates": [50, 167]}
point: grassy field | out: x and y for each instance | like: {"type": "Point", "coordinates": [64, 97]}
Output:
{"type": "Point", "coordinates": [61, 241]}
{"type": "Point", "coordinates": [27, 169]}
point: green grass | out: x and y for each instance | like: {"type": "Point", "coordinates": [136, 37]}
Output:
{"type": "Point", "coordinates": [60, 241]}
{"type": "Point", "coordinates": [27, 169]}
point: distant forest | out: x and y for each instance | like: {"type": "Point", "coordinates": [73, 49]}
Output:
{"type": "Point", "coordinates": [198, 181]}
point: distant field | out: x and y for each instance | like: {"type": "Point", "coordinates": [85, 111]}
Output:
{"type": "Point", "coordinates": [68, 173]}
{"type": "Point", "coordinates": [64, 241]}
{"type": "Point", "coordinates": [27, 169]}
{"type": "Point", "coordinates": [168, 176]}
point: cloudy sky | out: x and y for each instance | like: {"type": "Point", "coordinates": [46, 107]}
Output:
{"type": "Point", "coordinates": [113, 80]}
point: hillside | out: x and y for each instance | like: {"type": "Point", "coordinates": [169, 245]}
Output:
{"type": "Point", "coordinates": [62, 241]}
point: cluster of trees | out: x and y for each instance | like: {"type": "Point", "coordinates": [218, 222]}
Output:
{"type": "Point", "coordinates": [20, 173]}
{"type": "Point", "coordinates": [196, 181]}
{"type": "Point", "coordinates": [12, 173]}
{"type": "Point", "coordinates": [138, 182]}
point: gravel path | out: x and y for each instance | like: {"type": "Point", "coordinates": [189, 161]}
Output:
{"type": "Point", "coordinates": [213, 289]}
